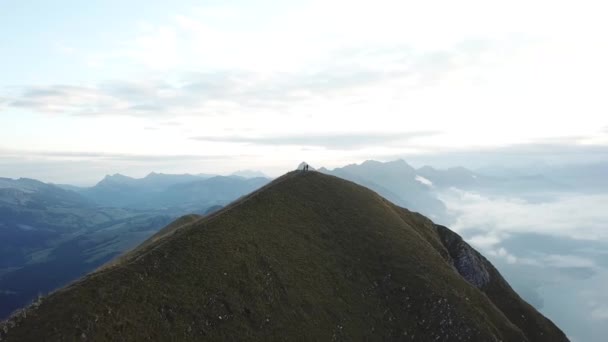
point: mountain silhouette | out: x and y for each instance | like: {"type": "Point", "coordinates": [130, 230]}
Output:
{"type": "Point", "coordinates": [307, 257]}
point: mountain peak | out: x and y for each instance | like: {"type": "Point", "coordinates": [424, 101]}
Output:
{"type": "Point", "coordinates": [398, 164]}
{"type": "Point", "coordinates": [427, 168]}
{"type": "Point", "coordinates": [309, 256]}
{"type": "Point", "coordinates": [303, 164]}
{"type": "Point", "coordinates": [249, 174]}
{"type": "Point", "coordinates": [117, 177]}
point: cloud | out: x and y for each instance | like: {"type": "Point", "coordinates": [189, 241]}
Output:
{"type": "Point", "coordinates": [66, 99]}
{"type": "Point", "coordinates": [553, 147]}
{"type": "Point", "coordinates": [197, 94]}
{"type": "Point", "coordinates": [170, 123]}
{"type": "Point", "coordinates": [576, 216]}
{"type": "Point", "coordinates": [328, 141]}
{"type": "Point", "coordinates": [559, 151]}
{"type": "Point", "coordinates": [484, 241]}
{"type": "Point", "coordinates": [553, 242]}
{"type": "Point", "coordinates": [600, 313]}
{"type": "Point", "coordinates": [503, 253]}
{"type": "Point", "coordinates": [568, 261]}
{"type": "Point", "coordinates": [348, 73]}
{"type": "Point", "coordinates": [578, 265]}
{"type": "Point", "coordinates": [12, 154]}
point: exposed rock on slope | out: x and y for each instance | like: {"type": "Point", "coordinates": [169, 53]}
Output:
{"type": "Point", "coordinates": [468, 262]}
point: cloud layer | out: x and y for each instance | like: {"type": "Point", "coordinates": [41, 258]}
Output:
{"type": "Point", "coordinates": [576, 216]}
{"type": "Point", "coordinates": [552, 251]}
{"type": "Point", "coordinates": [346, 74]}
{"type": "Point", "coordinates": [337, 141]}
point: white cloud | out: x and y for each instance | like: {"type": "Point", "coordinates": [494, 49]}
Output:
{"type": "Point", "coordinates": [504, 254]}
{"type": "Point", "coordinates": [424, 181]}
{"type": "Point", "coordinates": [572, 215]}
{"type": "Point", "coordinates": [565, 261]}
{"type": "Point", "coordinates": [600, 313]}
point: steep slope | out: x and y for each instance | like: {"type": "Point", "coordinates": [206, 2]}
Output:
{"type": "Point", "coordinates": [308, 257]}
{"type": "Point", "coordinates": [395, 180]}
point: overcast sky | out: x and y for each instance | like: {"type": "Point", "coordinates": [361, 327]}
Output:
{"type": "Point", "coordinates": [95, 87]}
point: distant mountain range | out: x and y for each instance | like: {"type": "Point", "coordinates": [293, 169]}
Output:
{"type": "Point", "coordinates": [581, 177]}
{"type": "Point", "coordinates": [397, 181]}
{"type": "Point", "coordinates": [50, 236]}
{"type": "Point", "coordinates": [307, 257]}
{"type": "Point", "coordinates": [38, 195]}
{"type": "Point", "coordinates": [249, 174]}
{"type": "Point", "coordinates": [177, 194]}
{"type": "Point", "coordinates": [417, 188]}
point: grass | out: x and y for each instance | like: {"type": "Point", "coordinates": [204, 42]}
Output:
{"type": "Point", "coordinates": [308, 257]}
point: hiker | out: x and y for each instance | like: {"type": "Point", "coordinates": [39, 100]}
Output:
{"type": "Point", "coordinates": [303, 167]}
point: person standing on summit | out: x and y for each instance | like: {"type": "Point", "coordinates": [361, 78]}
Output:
{"type": "Point", "coordinates": [303, 167]}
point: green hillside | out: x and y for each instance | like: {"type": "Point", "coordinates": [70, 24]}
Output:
{"type": "Point", "coordinates": [307, 257]}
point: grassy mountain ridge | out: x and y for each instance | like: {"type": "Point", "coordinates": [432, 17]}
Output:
{"type": "Point", "coordinates": [308, 256]}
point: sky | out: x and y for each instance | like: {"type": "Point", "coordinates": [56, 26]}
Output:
{"type": "Point", "coordinates": [102, 87]}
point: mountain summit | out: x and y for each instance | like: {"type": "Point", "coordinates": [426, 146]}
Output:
{"type": "Point", "coordinates": [302, 165]}
{"type": "Point", "coordinates": [307, 257]}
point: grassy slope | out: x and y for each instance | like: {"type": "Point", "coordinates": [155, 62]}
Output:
{"type": "Point", "coordinates": [308, 257]}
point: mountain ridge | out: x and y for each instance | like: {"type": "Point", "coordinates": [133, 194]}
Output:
{"type": "Point", "coordinates": [309, 256]}
{"type": "Point", "coordinates": [395, 180]}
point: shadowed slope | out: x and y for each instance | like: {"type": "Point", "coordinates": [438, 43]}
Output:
{"type": "Point", "coordinates": [308, 257]}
